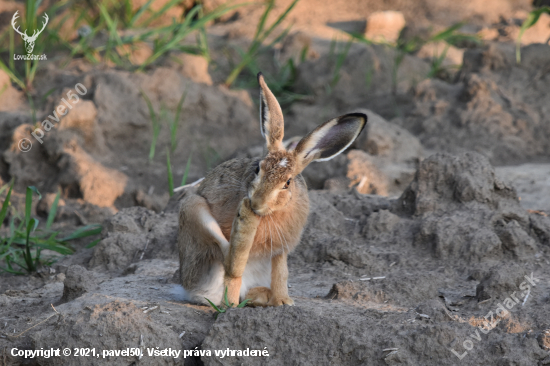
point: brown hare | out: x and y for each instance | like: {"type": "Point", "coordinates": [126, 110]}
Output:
{"type": "Point", "coordinates": [237, 227]}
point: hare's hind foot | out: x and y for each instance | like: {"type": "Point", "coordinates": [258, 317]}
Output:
{"type": "Point", "coordinates": [263, 296]}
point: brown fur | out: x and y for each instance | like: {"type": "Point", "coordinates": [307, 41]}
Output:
{"type": "Point", "coordinates": [196, 255]}
{"type": "Point", "coordinates": [224, 197]}
{"type": "Point", "coordinates": [248, 208]}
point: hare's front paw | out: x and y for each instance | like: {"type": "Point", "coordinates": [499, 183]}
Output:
{"type": "Point", "coordinates": [278, 301]}
{"type": "Point", "coordinates": [263, 296]}
{"type": "Point", "coordinates": [246, 222]}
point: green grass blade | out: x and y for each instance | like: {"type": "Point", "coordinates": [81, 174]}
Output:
{"type": "Point", "coordinates": [11, 60]}
{"type": "Point", "coordinates": [180, 105]}
{"type": "Point", "coordinates": [83, 232]}
{"type": "Point", "coordinates": [6, 204]}
{"type": "Point", "coordinates": [280, 19]}
{"type": "Point", "coordinates": [4, 187]}
{"type": "Point", "coordinates": [93, 243]}
{"type": "Point", "coordinates": [12, 76]}
{"type": "Point", "coordinates": [263, 19]}
{"type": "Point", "coordinates": [531, 20]}
{"type": "Point", "coordinates": [443, 35]}
{"type": "Point", "coordinates": [52, 245]}
{"type": "Point", "coordinates": [260, 35]}
{"type": "Point", "coordinates": [31, 226]}
{"type": "Point", "coordinates": [28, 203]}
{"type": "Point", "coordinates": [202, 40]}
{"type": "Point", "coordinates": [11, 270]}
{"type": "Point", "coordinates": [170, 176]}
{"type": "Point", "coordinates": [12, 232]}
{"type": "Point", "coordinates": [180, 31]}
{"type": "Point", "coordinates": [339, 63]}
{"type": "Point", "coordinates": [243, 304]}
{"type": "Point", "coordinates": [186, 172]}
{"type": "Point", "coordinates": [47, 94]}
{"type": "Point", "coordinates": [53, 211]}
{"type": "Point", "coordinates": [154, 122]}
{"type": "Point", "coordinates": [160, 12]}
{"type": "Point", "coordinates": [139, 13]}
{"type": "Point", "coordinates": [280, 37]}
{"type": "Point", "coordinates": [175, 124]}
{"type": "Point", "coordinates": [215, 307]}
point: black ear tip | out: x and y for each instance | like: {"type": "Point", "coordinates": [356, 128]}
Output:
{"type": "Point", "coordinates": [260, 75]}
{"type": "Point", "coordinates": [362, 116]}
{"type": "Point", "coordinates": [353, 117]}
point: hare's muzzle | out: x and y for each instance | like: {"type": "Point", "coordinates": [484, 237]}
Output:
{"type": "Point", "coordinates": [258, 208]}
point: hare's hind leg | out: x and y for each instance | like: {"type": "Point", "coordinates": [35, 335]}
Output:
{"type": "Point", "coordinates": [202, 249]}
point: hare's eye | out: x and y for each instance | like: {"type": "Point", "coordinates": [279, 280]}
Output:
{"type": "Point", "coordinates": [287, 183]}
{"type": "Point", "coordinates": [257, 170]}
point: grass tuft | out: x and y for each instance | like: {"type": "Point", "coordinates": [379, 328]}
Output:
{"type": "Point", "coordinates": [21, 250]}
{"type": "Point", "coordinates": [262, 33]}
{"type": "Point", "coordinates": [225, 305]}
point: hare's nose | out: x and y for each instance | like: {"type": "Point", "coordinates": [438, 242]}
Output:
{"type": "Point", "coordinates": [256, 208]}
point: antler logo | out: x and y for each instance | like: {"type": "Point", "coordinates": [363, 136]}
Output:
{"type": "Point", "coordinates": [29, 40]}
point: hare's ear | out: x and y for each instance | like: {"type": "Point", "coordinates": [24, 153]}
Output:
{"type": "Point", "coordinates": [272, 124]}
{"type": "Point", "coordinates": [329, 139]}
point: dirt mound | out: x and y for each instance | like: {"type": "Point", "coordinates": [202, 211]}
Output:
{"type": "Point", "coordinates": [134, 234]}
{"type": "Point", "coordinates": [115, 325]}
{"type": "Point", "coordinates": [499, 281]}
{"type": "Point", "coordinates": [77, 282]}
{"type": "Point", "coordinates": [455, 208]}
{"type": "Point", "coordinates": [497, 107]}
{"type": "Point", "coordinates": [340, 335]}
{"type": "Point", "coordinates": [465, 211]}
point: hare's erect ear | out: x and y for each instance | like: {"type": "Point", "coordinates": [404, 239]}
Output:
{"type": "Point", "coordinates": [329, 139]}
{"type": "Point", "coordinates": [272, 124]}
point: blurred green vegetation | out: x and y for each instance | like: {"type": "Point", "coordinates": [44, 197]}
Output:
{"type": "Point", "coordinates": [22, 246]}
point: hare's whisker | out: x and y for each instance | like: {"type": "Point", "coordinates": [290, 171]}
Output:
{"type": "Point", "coordinates": [271, 218]}
{"type": "Point", "coordinates": [277, 230]}
{"type": "Point", "coordinates": [271, 236]}
{"type": "Point", "coordinates": [265, 239]}
{"type": "Point", "coordinates": [283, 237]}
